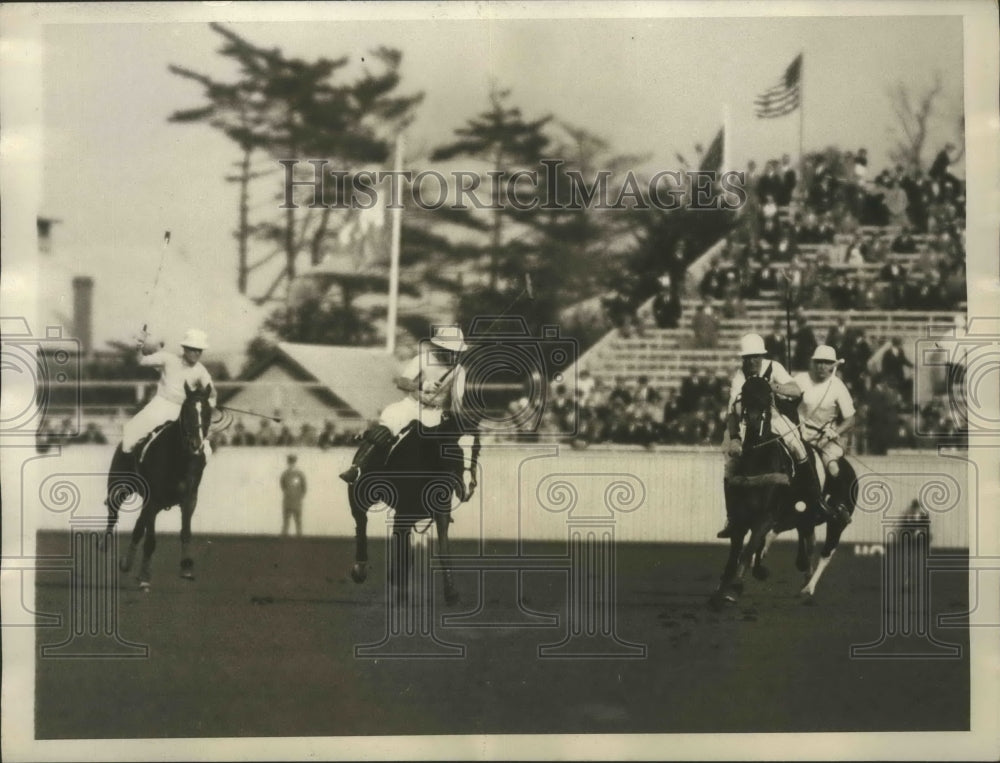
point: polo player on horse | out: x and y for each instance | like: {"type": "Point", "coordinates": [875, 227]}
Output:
{"type": "Point", "coordinates": [786, 394]}
{"type": "Point", "coordinates": [433, 381]}
{"type": "Point", "coordinates": [176, 371]}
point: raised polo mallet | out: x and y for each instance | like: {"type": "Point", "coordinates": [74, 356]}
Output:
{"type": "Point", "coordinates": [152, 293]}
{"type": "Point", "coordinates": [527, 291]}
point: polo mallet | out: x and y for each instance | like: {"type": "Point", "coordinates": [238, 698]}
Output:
{"type": "Point", "coordinates": [152, 293]}
{"type": "Point", "coordinates": [527, 291]}
{"type": "Point", "coordinates": [275, 419]}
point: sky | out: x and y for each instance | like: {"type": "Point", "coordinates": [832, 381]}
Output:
{"type": "Point", "coordinates": [116, 174]}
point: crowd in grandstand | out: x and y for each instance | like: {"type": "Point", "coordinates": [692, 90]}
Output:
{"type": "Point", "coordinates": [801, 241]}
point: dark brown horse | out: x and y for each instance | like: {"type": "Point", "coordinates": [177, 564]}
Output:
{"type": "Point", "coordinates": [757, 490]}
{"type": "Point", "coordinates": [170, 466]}
{"type": "Point", "coordinates": [418, 480]}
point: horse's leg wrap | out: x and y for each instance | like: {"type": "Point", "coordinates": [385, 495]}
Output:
{"type": "Point", "coordinates": [808, 479]}
{"type": "Point", "coordinates": [375, 444]}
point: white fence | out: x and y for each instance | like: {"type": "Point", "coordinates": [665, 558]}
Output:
{"type": "Point", "coordinates": [527, 492]}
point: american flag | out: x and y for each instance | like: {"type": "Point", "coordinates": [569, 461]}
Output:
{"type": "Point", "coordinates": [784, 97]}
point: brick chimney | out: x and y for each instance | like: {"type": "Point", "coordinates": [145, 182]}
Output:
{"type": "Point", "coordinates": [83, 307]}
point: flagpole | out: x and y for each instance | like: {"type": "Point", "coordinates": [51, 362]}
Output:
{"type": "Point", "coordinates": [725, 138]}
{"type": "Point", "coordinates": [397, 226]}
{"type": "Point", "coordinates": [802, 119]}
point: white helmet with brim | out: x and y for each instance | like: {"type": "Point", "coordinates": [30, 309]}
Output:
{"type": "Point", "coordinates": [752, 344]}
{"type": "Point", "coordinates": [196, 339]}
{"type": "Point", "coordinates": [449, 338]}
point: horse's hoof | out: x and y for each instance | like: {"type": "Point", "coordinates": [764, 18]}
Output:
{"type": "Point", "coordinates": [808, 600]}
{"type": "Point", "coordinates": [124, 564]}
{"type": "Point", "coordinates": [187, 575]}
{"type": "Point", "coordinates": [359, 573]}
{"type": "Point", "coordinates": [802, 563]}
{"type": "Point", "coordinates": [761, 572]}
{"type": "Point", "coordinates": [144, 586]}
{"type": "Point", "coordinates": [719, 600]}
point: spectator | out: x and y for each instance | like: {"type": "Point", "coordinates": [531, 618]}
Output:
{"type": "Point", "coordinates": [769, 186]}
{"type": "Point", "coordinates": [307, 436]}
{"type": "Point", "coordinates": [733, 307]}
{"type": "Point", "coordinates": [328, 437]}
{"type": "Point", "coordinates": [293, 490]}
{"type": "Point", "coordinates": [939, 168]}
{"type": "Point", "coordinates": [766, 277]}
{"type": "Point", "coordinates": [690, 391]}
{"type": "Point", "coordinates": [789, 179]}
{"type": "Point", "coordinates": [285, 437]}
{"type": "Point", "coordinates": [619, 394]}
{"type": "Point", "coordinates": [46, 437]}
{"type": "Point", "coordinates": [896, 203]}
{"type": "Point", "coordinates": [752, 180]}
{"type": "Point", "coordinates": [854, 255]}
{"type": "Point", "coordinates": [585, 386]}
{"type": "Point", "coordinates": [265, 434]}
{"type": "Point", "coordinates": [667, 306]}
{"type": "Point", "coordinates": [218, 439]}
{"type": "Point", "coordinates": [92, 435]}
{"type": "Point", "coordinates": [804, 343]}
{"type": "Point", "coordinates": [827, 229]}
{"type": "Point", "coordinates": [894, 274]}
{"type": "Point", "coordinates": [705, 326]}
{"type": "Point", "coordinates": [836, 337]}
{"type": "Point", "coordinates": [563, 409]}
{"type": "Point", "coordinates": [856, 354]}
{"type": "Point", "coordinates": [677, 265]}
{"type": "Point", "coordinates": [241, 436]}
{"type": "Point", "coordinates": [894, 365]}
{"type": "Point", "coordinates": [619, 312]}
{"type": "Point", "coordinates": [67, 431]}
{"type": "Point", "coordinates": [776, 342]}
{"type": "Point", "coordinates": [882, 417]}
{"type": "Point", "coordinates": [712, 282]}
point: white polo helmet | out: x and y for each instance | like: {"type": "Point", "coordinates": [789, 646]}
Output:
{"type": "Point", "coordinates": [752, 344]}
{"type": "Point", "coordinates": [826, 353]}
{"type": "Point", "coordinates": [450, 338]}
{"type": "Point", "coordinates": [196, 339]}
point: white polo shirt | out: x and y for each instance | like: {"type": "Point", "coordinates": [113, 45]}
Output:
{"type": "Point", "coordinates": [174, 373]}
{"type": "Point", "coordinates": [823, 401]}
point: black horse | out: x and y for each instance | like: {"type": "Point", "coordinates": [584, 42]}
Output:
{"type": "Point", "coordinates": [418, 480]}
{"type": "Point", "coordinates": [841, 493]}
{"type": "Point", "coordinates": [760, 485]}
{"type": "Point", "coordinates": [170, 463]}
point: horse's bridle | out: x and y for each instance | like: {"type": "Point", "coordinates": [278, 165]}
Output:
{"type": "Point", "coordinates": [200, 428]}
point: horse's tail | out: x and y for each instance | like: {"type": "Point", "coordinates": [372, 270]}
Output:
{"type": "Point", "coordinates": [123, 481]}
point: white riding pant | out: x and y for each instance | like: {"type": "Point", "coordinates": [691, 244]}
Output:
{"type": "Point", "coordinates": [827, 443]}
{"type": "Point", "coordinates": [789, 434]}
{"type": "Point", "coordinates": [398, 415]}
{"type": "Point", "coordinates": [158, 411]}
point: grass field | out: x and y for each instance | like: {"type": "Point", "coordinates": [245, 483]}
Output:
{"type": "Point", "coordinates": [262, 644]}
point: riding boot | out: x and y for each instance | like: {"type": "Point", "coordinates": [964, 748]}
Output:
{"type": "Point", "coordinates": [374, 447]}
{"type": "Point", "coordinates": [725, 532]}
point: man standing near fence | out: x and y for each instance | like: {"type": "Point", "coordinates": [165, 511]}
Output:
{"type": "Point", "coordinates": [293, 489]}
